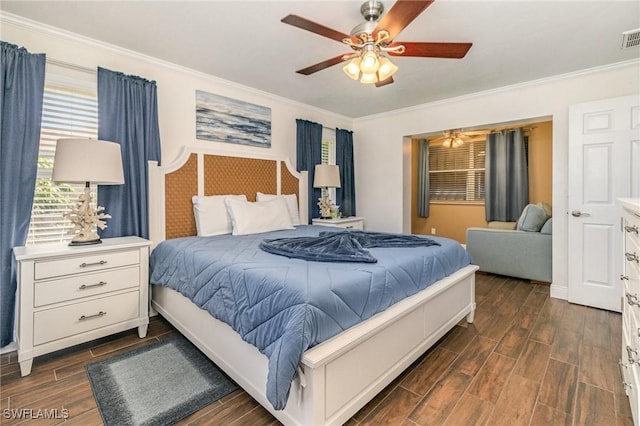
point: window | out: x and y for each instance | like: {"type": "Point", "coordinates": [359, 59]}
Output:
{"type": "Point", "coordinates": [457, 174]}
{"type": "Point", "coordinates": [329, 155]}
{"type": "Point", "coordinates": [70, 109]}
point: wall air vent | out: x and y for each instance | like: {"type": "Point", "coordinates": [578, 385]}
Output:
{"type": "Point", "coordinates": [630, 39]}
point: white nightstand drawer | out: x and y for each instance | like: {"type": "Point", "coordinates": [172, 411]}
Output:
{"type": "Point", "coordinates": [632, 229]}
{"type": "Point", "coordinates": [53, 324]}
{"type": "Point", "coordinates": [78, 286]}
{"type": "Point", "coordinates": [352, 222]}
{"type": "Point", "coordinates": [87, 263]}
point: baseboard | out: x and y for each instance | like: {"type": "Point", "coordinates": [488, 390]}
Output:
{"type": "Point", "coordinates": [559, 292]}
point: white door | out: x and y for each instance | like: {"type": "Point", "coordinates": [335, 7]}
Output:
{"type": "Point", "coordinates": [604, 141]}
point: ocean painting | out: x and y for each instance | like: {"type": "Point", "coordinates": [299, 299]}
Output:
{"type": "Point", "coordinates": [223, 119]}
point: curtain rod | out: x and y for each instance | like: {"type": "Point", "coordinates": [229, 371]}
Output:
{"type": "Point", "coordinates": [512, 129]}
{"type": "Point", "coordinates": [69, 65]}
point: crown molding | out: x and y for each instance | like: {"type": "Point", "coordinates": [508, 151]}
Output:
{"type": "Point", "coordinates": [48, 30]}
{"type": "Point", "coordinates": [502, 89]}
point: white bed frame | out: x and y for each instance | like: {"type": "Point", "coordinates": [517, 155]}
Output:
{"type": "Point", "coordinates": [337, 377]}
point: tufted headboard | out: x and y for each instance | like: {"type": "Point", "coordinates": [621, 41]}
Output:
{"type": "Point", "coordinates": [206, 172]}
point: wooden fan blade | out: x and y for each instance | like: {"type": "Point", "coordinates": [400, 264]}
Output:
{"type": "Point", "coordinates": [305, 24]}
{"type": "Point", "coordinates": [433, 50]}
{"type": "Point", "coordinates": [384, 82]}
{"type": "Point", "coordinates": [321, 65]}
{"type": "Point", "coordinates": [401, 14]}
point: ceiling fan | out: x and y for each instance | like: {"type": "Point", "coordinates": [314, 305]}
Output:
{"type": "Point", "coordinates": [457, 137]}
{"type": "Point", "coordinates": [374, 38]}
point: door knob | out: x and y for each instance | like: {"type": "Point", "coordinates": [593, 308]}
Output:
{"type": "Point", "coordinates": [578, 213]}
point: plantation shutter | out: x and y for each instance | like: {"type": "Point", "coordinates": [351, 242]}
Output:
{"type": "Point", "coordinates": [329, 155]}
{"type": "Point", "coordinates": [70, 109]}
{"type": "Point", "coordinates": [457, 174]}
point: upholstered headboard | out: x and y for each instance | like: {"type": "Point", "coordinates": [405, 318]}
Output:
{"type": "Point", "coordinates": [206, 172]}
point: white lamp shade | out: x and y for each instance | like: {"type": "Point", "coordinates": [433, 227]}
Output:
{"type": "Point", "coordinates": [326, 176]}
{"type": "Point", "coordinates": [88, 160]}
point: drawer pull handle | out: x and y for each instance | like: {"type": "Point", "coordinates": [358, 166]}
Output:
{"type": "Point", "coordinates": [631, 229]}
{"type": "Point", "coordinates": [349, 226]}
{"type": "Point", "coordinates": [631, 355]}
{"type": "Point", "coordinates": [624, 277]}
{"type": "Point", "coordinates": [632, 257]}
{"type": "Point", "coordinates": [84, 264]}
{"type": "Point", "coordinates": [632, 299]}
{"type": "Point", "coordinates": [86, 286]}
{"type": "Point", "coordinates": [98, 315]}
{"type": "Point", "coordinates": [626, 386]}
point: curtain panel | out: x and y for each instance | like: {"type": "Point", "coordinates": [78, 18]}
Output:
{"type": "Point", "coordinates": [346, 194]}
{"type": "Point", "coordinates": [308, 154]}
{"type": "Point", "coordinates": [21, 95]}
{"type": "Point", "coordinates": [423, 178]}
{"type": "Point", "coordinates": [506, 176]}
{"type": "Point", "coordinates": [128, 115]}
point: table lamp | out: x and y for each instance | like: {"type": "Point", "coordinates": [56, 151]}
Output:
{"type": "Point", "coordinates": [86, 161]}
{"type": "Point", "coordinates": [326, 176]}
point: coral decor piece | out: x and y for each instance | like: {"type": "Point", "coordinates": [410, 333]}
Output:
{"type": "Point", "coordinates": [325, 206]}
{"type": "Point", "coordinates": [85, 220]}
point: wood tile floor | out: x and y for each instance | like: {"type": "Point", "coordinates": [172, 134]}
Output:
{"type": "Point", "coordinates": [526, 360]}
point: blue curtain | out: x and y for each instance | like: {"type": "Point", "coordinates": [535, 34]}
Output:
{"type": "Point", "coordinates": [21, 93]}
{"type": "Point", "coordinates": [423, 178]}
{"type": "Point", "coordinates": [346, 194]}
{"type": "Point", "coordinates": [506, 176]}
{"type": "Point", "coordinates": [128, 114]}
{"type": "Point", "coordinates": [308, 154]}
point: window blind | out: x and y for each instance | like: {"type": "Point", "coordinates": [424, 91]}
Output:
{"type": "Point", "coordinates": [329, 155]}
{"type": "Point", "coordinates": [67, 112]}
{"type": "Point", "coordinates": [457, 174]}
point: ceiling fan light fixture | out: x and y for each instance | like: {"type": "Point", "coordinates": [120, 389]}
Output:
{"type": "Point", "coordinates": [369, 78]}
{"type": "Point", "coordinates": [447, 143]}
{"type": "Point", "coordinates": [387, 68]}
{"type": "Point", "coordinates": [352, 69]}
{"type": "Point", "coordinates": [370, 62]}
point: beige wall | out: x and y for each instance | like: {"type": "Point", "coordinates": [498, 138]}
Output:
{"type": "Point", "coordinates": [540, 163]}
{"type": "Point", "coordinates": [452, 220]}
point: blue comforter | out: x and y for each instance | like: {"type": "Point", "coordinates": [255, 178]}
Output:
{"type": "Point", "coordinates": [285, 306]}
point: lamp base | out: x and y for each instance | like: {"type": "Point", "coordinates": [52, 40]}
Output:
{"type": "Point", "coordinates": [85, 220]}
{"type": "Point", "coordinates": [85, 238]}
{"type": "Point", "coordinates": [325, 207]}
{"type": "Point", "coordinates": [85, 243]}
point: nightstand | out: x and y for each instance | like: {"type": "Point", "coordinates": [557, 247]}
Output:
{"type": "Point", "coordinates": [70, 295]}
{"type": "Point", "coordinates": [352, 222]}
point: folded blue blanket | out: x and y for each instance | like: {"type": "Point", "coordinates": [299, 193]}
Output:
{"type": "Point", "coordinates": [341, 246]}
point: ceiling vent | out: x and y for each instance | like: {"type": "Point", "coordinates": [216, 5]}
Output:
{"type": "Point", "coordinates": [630, 39]}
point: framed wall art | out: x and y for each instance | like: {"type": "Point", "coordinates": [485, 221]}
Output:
{"type": "Point", "coordinates": [223, 119]}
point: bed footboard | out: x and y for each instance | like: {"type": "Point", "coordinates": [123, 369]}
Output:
{"type": "Point", "coordinates": [339, 376]}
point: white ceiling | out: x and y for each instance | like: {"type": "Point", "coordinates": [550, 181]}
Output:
{"type": "Point", "coordinates": [245, 42]}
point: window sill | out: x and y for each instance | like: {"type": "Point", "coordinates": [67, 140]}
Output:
{"type": "Point", "coordinates": [458, 203]}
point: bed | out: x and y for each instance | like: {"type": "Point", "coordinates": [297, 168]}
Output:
{"type": "Point", "coordinates": [336, 377]}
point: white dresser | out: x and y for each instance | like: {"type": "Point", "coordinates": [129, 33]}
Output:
{"type": "Point", "coordinates": [69, 295]}
{"type": "Point", "coordinates": [352, 222]}
{"type": "Point", "coordinates": [630, 360]}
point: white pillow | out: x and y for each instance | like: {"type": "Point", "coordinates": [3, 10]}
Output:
{"type": "Point", "coordinates": [212, 217]}
{"type": "Point", "coordinates": [263, 216]}
{"type": "Point", "coordinates": [292, 204]}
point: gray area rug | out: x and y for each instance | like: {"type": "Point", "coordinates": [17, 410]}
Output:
{"type": "Point", "coordinates": [158, 384]}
